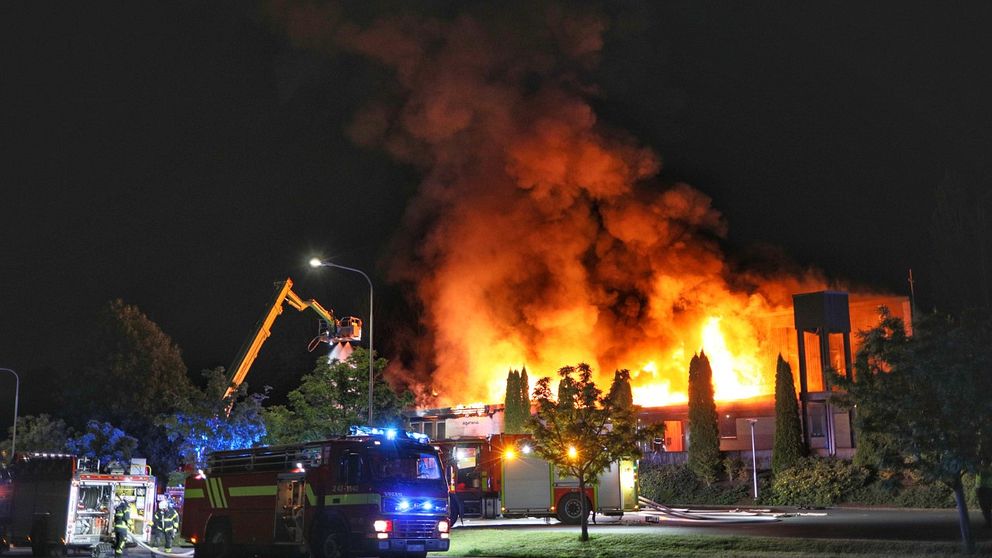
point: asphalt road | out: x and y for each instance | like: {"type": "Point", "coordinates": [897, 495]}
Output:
{"type": "Point", "coordinates": [839, 523]}
{"type": "Point", "coordinates": [835, 523]}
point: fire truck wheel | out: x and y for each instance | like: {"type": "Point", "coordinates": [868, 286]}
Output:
{"type": "Point", "coordinates": [217, 543]}
{"type": "Point", "coordinates": [327, 544]}
{"type": "Point", "coordinates": [570, 509]}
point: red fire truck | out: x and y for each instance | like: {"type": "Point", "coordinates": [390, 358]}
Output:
{"type": "Point", "coordinates": [63, 502]}
{"type": "Point", "coordinates": [374, 492]}
{"type": "Point", "coordinates": [500, 475]}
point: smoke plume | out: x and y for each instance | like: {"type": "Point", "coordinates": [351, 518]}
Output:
{"type": "Point", "coordinates": [540, 236]}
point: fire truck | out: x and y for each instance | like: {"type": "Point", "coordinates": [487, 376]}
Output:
{"type": "Point", "coordinates": [373, 492]}
{"type": "Point", "coordinates": [63, 502]}
{"type": "Point", "coordinates": [500, 475]}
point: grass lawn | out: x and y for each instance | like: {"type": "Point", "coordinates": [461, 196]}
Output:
{"type": "Point", "coordinates": [650, 544]}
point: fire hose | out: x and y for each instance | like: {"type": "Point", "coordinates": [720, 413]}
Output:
{"type": "Point", "coordinates": [156, 551]}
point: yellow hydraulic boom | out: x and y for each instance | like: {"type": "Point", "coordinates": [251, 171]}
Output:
{"type": "Point", "coordinates": [346, 329]}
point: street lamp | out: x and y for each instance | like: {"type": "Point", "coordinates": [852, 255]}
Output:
{"type": "Point", "coordinates": [754, 458]}
{"type": "Point", "coordinates": [17, 395]}
{"type": "Point", "coordinates": [317, 262]}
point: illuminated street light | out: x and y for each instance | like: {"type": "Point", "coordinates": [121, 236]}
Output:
{"type": "Point", "coordinates": [317, 262]}
{"type": "Point", "coordinates": [17, 395]}
{"type": "Point", "coordinates": [572, 452]}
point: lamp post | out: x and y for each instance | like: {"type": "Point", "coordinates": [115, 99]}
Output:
{"type": "Point", "coordinates": [754, 458]}
{"type": "Point", "coordinates": [317, 262]}
{"type": "Point", "coordinates": [17, 396]}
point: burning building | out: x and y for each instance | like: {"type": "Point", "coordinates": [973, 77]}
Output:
{"type": "Point", "coordinates": [540, 235]}
{"type": "Point", "coordinates": [827, 430]}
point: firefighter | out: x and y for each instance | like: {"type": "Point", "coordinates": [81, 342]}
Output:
{"type": "Point", "coordinates": [122, 525]}
{"type": "Point", "coordinates": [166, 521]}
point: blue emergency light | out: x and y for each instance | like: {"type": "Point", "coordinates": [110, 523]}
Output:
{"type": "Point", "coordinates": [388, 433]}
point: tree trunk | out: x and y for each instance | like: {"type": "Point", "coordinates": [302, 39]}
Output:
{"type": "Point", "coordinates": [963, 519]}
{"type": "Point", "coordinates": [585, 512]}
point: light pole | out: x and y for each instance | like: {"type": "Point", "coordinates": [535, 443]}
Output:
{"type": "Point", "coordinates": [317, 262]}
{"type": "Point", "coordinates": [17, 396]}
{"type": "Point", "coordinates": [754, 458]}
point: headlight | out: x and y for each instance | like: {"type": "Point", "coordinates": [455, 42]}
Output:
{"type": "Point", "coordinates": [415, 505]}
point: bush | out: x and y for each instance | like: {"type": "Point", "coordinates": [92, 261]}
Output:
{"type": "Point", "coordinates": [677, 485]}
{"type": "Point", "coordinates": [936, 495]}
{"type": "Point", "coordinates": [906, 490]}
{"type": "Point", "coordinates": [813, 482]}
{"type": "Point", "coordinates": [817, 482]}
{"type": "Point", "coordinates": [668, 484]}
{"type": "Point", "coordinates": [736, 469]}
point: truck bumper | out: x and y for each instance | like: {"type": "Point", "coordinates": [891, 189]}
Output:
{"type": "Point", "coordinates": [407, 545]}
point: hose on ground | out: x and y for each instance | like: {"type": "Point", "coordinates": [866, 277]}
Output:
{"type": "Point", "coordinates": [158, 552]}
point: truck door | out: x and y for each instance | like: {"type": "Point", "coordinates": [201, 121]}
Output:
{"type": "Point", "coordinates": [290, 498]}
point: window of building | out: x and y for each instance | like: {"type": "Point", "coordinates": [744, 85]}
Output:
{"type": "Point", "coordinates": [728, 425]}
{"type": "Point", "coordinates": [674, 436]}
{"type": "Point", "coordinates": [817, 419]}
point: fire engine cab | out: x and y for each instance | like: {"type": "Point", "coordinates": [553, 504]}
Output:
{"type": "Point", "coordinates": [373, 492]}
{"type": "Point", "coordinates": [63, 502]}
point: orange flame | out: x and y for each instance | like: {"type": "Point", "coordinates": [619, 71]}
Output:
{"type": "Point", "coordinates": [540, 237]}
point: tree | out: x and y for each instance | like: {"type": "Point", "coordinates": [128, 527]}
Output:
{"type": "Point", "coordinates": [37, 433]}
{"type": "Point", "coordinates": [133, 373]}
{"type": "Point", "coordinates": [704, 433]}
{"type": "Point", "coordinates": [524, 398]}
{"type": "Point", "coordinates": [333, 397]}
{"type": "Point", "coordinates": [203, 424]}
{"type": "Point", "coordinates": [103, 441]}
{"type": "Point", "coordinates": [788, 447]}
{"type": "Point", "coordinates": [929, 395]}
{"type": "Point", "coordinates": [877, 448]}
{"type": "Point", "coordinates": [581, 432]}
{"type": "Point", "coordinates": [512, 419]}
{"type": "Point", "coordinates": [133, 370]}
{"type": "Point", "coordinates": [516, 402]}
{"type": "Point", "coordinates": [620, 392]}
{"type": "Point", "coordinates": [961, 240]}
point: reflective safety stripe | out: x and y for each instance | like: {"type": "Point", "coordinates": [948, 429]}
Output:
{"type": "Point", "coordinates": [262, 490]}
{"type": "Point", "coordinates": [215, 491]}
{"type": "Point", "coordinates": [193, 493]}
{"type": "Point", "coordinates": [311, 497]}
{"type": "Point", "coordinates": [352, 499]}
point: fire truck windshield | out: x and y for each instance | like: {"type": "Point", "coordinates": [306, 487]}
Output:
{"type": "Point", "coordinates": [405, 465]}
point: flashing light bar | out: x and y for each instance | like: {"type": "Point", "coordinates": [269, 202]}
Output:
{"type": "Point", "coordinates": [410, 505]}
{"type": "Point", "coordinates": [388, 433]}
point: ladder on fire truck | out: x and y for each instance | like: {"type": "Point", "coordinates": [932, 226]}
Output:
{"type": "Point", "coordinates": [333, 331]}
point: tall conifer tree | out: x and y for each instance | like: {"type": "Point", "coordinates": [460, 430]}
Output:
{"type": "Point", "coordinates": [524, 398]}
{"type": "Point", "coordinates": [788, 447]}
{"type": "Point", "coordinates": [512, 417]}
{"type": "Point", "coordinates": [704, 434]}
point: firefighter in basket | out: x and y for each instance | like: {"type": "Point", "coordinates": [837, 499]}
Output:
{"type": "Point", "coordinates": [122, 525]}
{"type": "Point", "coordinates": [166, 522]}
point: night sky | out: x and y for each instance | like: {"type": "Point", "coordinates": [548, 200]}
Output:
{"type": "Point", "coordinates": [183, 156]}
